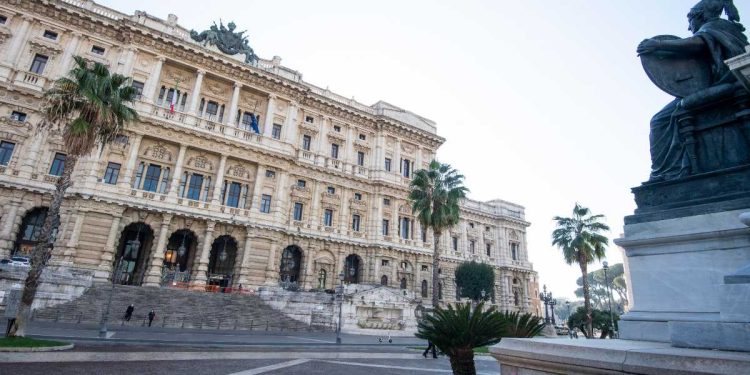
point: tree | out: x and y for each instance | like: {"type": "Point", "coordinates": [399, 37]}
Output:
{"type": "Point", "coordinates": [601, 321]}
{"type": "Point", "coordinates": [90, 108]}
{"type": "Point", "coordinates": [521, 325]}
{"type": "Point", "coordinates": [598, 288]}
{"type": "Point", "coordinates": [457, 331]}
{"type": "Point", "coordinates": [472, 278]}
{"type": "Point", "coordinates": [434, 195]}
{"type": "Point", "coordinates": [580, 240]}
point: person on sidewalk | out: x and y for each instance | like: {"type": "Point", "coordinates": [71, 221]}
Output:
{"type": "Point", "coordinates": [430, 345]}
{"type": "Point", "coordinates": [129, 312]}
{"type": "Point", "coordinates": [151, 316]}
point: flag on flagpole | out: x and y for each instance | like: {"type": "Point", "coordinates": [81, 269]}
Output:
{"type": "Point", "coordinates": [173, 101]}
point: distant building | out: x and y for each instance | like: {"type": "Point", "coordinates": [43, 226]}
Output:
{"type": "Point", "coordinates": [193, 194]}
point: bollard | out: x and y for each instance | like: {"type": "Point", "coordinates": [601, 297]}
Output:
{"type": "Point", "coordinates": [80, 315]}
{"type": "Point", "coordinates": [163, 322]}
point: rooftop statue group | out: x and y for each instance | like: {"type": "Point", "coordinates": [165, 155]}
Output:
{"type": "Point", "coordinates": [226, 40]}
{"type": "Point", "coordinates": [693, 70]}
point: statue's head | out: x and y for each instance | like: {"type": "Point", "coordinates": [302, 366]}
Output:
{"type": "Point", "coordinates": [707, 10]}
{"type": "Point", "coordinates": [231, 26]}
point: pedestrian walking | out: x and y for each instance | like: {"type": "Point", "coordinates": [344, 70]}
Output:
{"type": "Point", "coordinates": [151, 316]}
{"type": "Point", "coordinates": [129, 312]}
{"type": "Point", "coordinates": [430, 345]}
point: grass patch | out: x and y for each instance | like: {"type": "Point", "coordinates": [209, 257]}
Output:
{"type": "Point", "coordinates": [26, 342]}
{"type": "Point", "coordinates": [482, 350]}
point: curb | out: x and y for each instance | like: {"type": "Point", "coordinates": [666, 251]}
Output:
{"type": "Point", "coordinates": [38, 349]}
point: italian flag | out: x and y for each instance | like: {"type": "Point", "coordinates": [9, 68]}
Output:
{"type": "Point", "coordinates": [173, 102]}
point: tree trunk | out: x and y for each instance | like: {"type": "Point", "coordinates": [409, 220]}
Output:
{"type": "Point", "coordinates": [582, 262]}
{"type": "Point", "coordinates": [43, 249]}
{"type": "Point", "coordinates": [462, 363]}
{"type": "Point", "coordinates": [435, 268]}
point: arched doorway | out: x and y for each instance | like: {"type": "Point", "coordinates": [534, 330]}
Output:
{"type": "Point", "coordinates": [135, 239]}
{"type": "Point", "coordinates": [221, 261]}
{"type": "Point", "coordinates": [31, 228]}
{"type": "Point", "coordinates": [291, 259]}
{"type": "Point", "coordinates": [403, 283]}
{"type": "Point", "coordinates": [384, 280]}
{"type": "Point", "coordinates": [180, 249]}
{"type": "Point", "coordinates": [352, 266]}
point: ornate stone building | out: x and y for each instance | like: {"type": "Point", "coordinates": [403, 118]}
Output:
{"type": "Point", "coordinates": [235, 174]}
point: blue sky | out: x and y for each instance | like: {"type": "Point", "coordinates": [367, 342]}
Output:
{"type": "Point", "coordinates": [543, 103]}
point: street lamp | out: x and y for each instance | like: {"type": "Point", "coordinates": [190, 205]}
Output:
{"type": "Point", "coordinates": [546, 297]}
{"type": "Point", "coordinates": [552, 304]}
{"type": "Point", "coordinates": [605, 267]}
{"type": "Point", "coordinates": [340, 297]}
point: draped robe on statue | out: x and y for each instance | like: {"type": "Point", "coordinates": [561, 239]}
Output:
{"type": "Point", "coordinates": [723, 39]}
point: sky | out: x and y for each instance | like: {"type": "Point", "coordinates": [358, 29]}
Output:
{"type": "Point", "coordinates": [543, 103]}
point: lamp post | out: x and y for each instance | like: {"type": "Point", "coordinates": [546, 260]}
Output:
{"type": "Point", "coordinates": [605, 267]}
{"type": "Point", "coordinates": [567, 304]}
{"type": "Point", "coordinates": [546, 297]}
{"type": "Point", "coordinates": [552, 304]}
{"type": "Point", "coordinates": [105, 316]}
{"type": "Point", "coordinates": [340, 297]}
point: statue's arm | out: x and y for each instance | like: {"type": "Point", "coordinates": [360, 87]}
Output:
{"type": "Point", "coordinates": [688, 46]}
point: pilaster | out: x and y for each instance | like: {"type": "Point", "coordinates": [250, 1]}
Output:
{"type": "Point", "coordinates": [135, 144]}
{"type": "Point", "coordinates": [153, 276]}
{"type": "Point", "coordinates": [200, 274]}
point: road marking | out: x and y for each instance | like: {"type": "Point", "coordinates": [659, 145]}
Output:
{"type": "Point", "coordinates": [176, 356]}
{"type": "Point", "coordinates": [264, 369]}
{"type": "Point", "coordinates": [309, 339]}
{"type": "Point", "coordinates": [387, 366]}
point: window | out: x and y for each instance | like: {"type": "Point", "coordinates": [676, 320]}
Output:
{"type": "Point", "coordinates": [37, 66]}
{"type": "Point", "coordinates": [306, 140]}
{"type": "Point", "coordinates": [514, 250]}
{"type": "Point", "coordinates": [276, 131]}
{"type": "Point", "coordinates": [3, 20]}
{"type": "Point", "coordinates": [97, 50]}
{"type": "Point", "coordinates": [207, 189]}
{"type": "Point", "coordinates": [50, 35]}
{"type": "Point", "coordinates": [384, 280]}
{"type": "Point", "coordinates": [472, 245]}
{"type": "Point", "coordinates": [385, 262]}
{"type": "Point", "coordinates": [337, 129]}
{"type": "Point", "coordinates": [489, 249]}
{"type": "Point", "coordinates": [111, 174]}
{"type": "Point", "coordinates": [425, 267]}
{"type": "Point", "coordinates": [298, 211]}
{"type": "Point", "coordinates": [424, 235]}
{"type": "Point", "coordinates": [403, 283]}
{"type": "Point", "coordinates": [357, 196]}
{"type": "Point", "coordinates": [486, 229]}
{"type": "Point", "coordinates": [212, 108]}
{"type": "Point", "coordinates": [386, 202]}
{"type": "Point", "coordinates": [151, 182]}
{"type": "Point", "coordinates": [328, 218]}
{"type": "Point", "coordinates": [424, 288]}
{"type": "Point", "coordinates": [138, 176]}
{"type": "Point", "coordinates": [471, 225]}
{"type": "Point", "coordinates": [454, 243]}
{"type": "Point", "coordinates": [355, 223]}
{"type": "Point", "coordinates": [164, 181]}
{"type": "Point", "coordinates": [265, 203]}
{"type": "Point", "coordinates": [233, 196]}
{"type": "Point", "coordinates": [58, 164]}
{"type": "Point", "coordinates": [388, 164]}
{"type": "Point", "coordinates": [362, 137]}
{"type": "Point", "coordinates": [360, 158]}
{"type": "Point", "coordinates": [405, 228]}
{"type": "Point", "coordinates": [6, 152]}
{"type": "Point", "coordinates": [194, 188]}
{"type": "Point", "coordinates": [270, 173]}
{"type": "Point", "coordinates": [331, 190]}
{"type": "Point", "coordinates": [334, 151]}
{"type": "Point", "coordinates": [138, 86]}
{"type": "Point", "coordinates": [18, 116]}
{"type": "Point", "coordinates": [406, 167]}
{"type": "Point", "coordinates": [385, 227]}
{"type": "Point", "coordinates": [309, 119]}
{"type": "Point", "coordinates": [301, 183]}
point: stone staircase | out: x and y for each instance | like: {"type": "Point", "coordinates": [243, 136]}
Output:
{"type": "Point", "coordinates": [176, 308]}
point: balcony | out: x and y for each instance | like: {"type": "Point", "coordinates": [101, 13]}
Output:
{"type": "Point", "coordinates": [334, 163]}
{"type": "Point", "coordinates": [31, 81]}
{"type": "Point", "coordinates": [334, 199]}
{"type": "Point", "coordinates": [301, 192]}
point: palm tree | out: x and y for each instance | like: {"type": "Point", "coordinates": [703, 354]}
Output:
{"type": "Point", "coordinates": [89, 108]}
{"type": "Point", "coordinates": [521, 325]}
{"type": "Point", "coordinates": [457, 331]}
{"type": "Point", "coordinates": [434, 195]}
{"type": "Point", "coordinates": [581, 242]}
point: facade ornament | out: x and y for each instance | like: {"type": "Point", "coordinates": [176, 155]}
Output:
{"type": "Point", "coordinates": [226, 40]}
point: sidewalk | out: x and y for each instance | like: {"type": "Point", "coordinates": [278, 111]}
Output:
{"type": "Point", "coordinates": [203, 337]}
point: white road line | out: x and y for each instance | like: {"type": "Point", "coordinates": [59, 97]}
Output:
{"type": "Point", "coordinates": [177, 356]}
{"type": "Point", "coordinates": [264, 369]}
{"type": "Point", "coordinates": [386, 366]}
{"type": "Point", "coordinates": [309, 339]}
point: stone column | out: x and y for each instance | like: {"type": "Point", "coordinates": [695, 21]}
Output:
{"type": "Point", "coordinates": [245, 263]}
{"type": "Point", "coordinates": [323, 148]}
{"type": "Point", "coordinates": [233, 106]}
{"type": "Point", "coordinates": [216, 197]}
{"type": "Point", "coordinates": [16, 43]}
{"type": "Point", "coordinates": [196, 92]}
{"type": "Point", "coordinates": [127, 66]}
{"type": "Point", "coordinates": [344, 216]}
{"type": "Point", "coordinates": [268, 121]}
{"type": "Point", "coordinates": [418, 159]}
{"type": "Point", "coordinates": [350, 156]}
{"type": "Point", "coordinates": [282, 195]}
{"type": "Point", "coordinates": [316, 214]}
{"type": "Point", "coordinates": [153, 276]}
{"type": "Point", "coordinates": [290, 124]}
{"type": "Point", "coordinates": [396, 164]}
{"type": "Point", "coordinates": [200, 275]}
{"type": "Point", "coordinates": [135, 145]}
{"type": "Point", "coordinates": [271, 273]}
{"type": "Point", "coordinates": [66, 59]}
{"type": "Point", "coordinates": [110, 248]}
{"type": "Point", "coordinates": [8, 221]}
{"type": "Point", "coordinates": [377, 218]}
{"type": "Point", "coordinates": [376, 163]}
{"type": "Point", "coordinates": [177, 175]}
{"type": "Point", "coordinates": [29, 164]}
{"type": "Point", "coordinates": [152, 83]}
{"type": "Point", "coordinates": [257, 184]}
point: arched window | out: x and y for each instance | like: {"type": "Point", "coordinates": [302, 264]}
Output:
{"type": "Point", "coordinates": [384, 280]}
{"type": "Point", "coordinates": [138, 176]}
{"type": "Point", "coordinates": [440, 291]}
{"type": "Point", "coordinates": [183, 183]}
{"type": "Point", "coordinates": [164, 181]}
{"type": "Point", "coordinates": [221, 113]}
{"type": "Point", "coordinates": [515, 297]}
{"type": "Point", "coordinates": [31, 228]}
{"type": "Point", "coordinates": [161, 95]}
{"type": "Point", "coordinates": [207, 190]}
{"type": "Point", "coordinates": [182, 102]}
{"type": "Point", "coordinates": [424, 288]}
{"type": "Point", "coordinates": [403, 283]}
